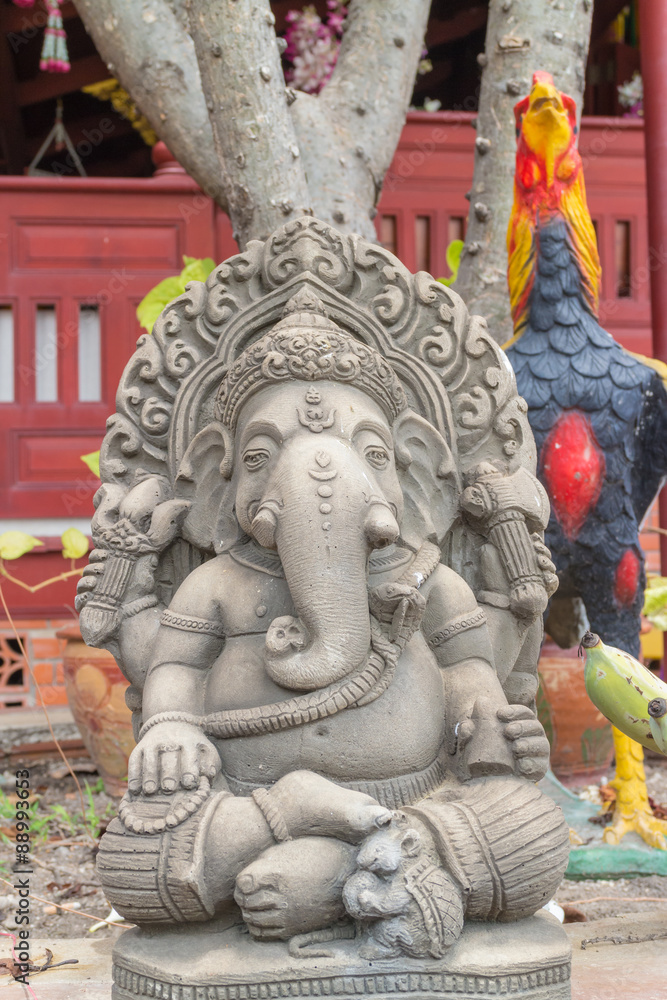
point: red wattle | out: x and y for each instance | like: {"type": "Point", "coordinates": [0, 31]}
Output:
{"type": "Point", "coordinates": [626, 579]}
{"type": "Point", "coordinates": [573, 467]}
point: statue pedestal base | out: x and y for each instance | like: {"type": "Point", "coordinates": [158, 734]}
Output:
{"type": "Point", "coordinates": [529, 960]}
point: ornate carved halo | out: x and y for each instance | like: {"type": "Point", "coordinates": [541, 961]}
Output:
{"type": "Point", "coordinates": [307, 345]}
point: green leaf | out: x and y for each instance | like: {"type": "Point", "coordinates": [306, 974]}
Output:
{"type": "Point", "coordinates": [167, 290]}
{"type": "Point", "coordinates": [655, 602]}
{"type": "Point", "coordinates": [75, 544]}
{"type": "Point", "coordinates": [154, 302]}
{"type": "Point", "coordinates": [195, 269]}
{"type": "Point", "coordinates": [453, 258]}
{"type": "Point", "coordinates": [92, 460]}
{"type": "Point", "coordinates": [14, 544]}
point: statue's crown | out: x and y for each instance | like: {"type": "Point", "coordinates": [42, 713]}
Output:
{"type": "Point", "coordinates": [307, 345]}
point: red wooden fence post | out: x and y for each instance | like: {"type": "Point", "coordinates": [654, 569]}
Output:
{"type": "Point", "coordinates": [653, 46]}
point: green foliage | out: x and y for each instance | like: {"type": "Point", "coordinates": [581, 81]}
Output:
{"type": "Point", "coordinates": [75, 544]}
{"type": "Point", "coordinates": [154, 302]}
{"type": "Point", "coordinates": [14, 544]}
{"type": "Point", "coordinates": [655, 602]}
{"type": "Point", "coordinates": [56, 822]}
{"type": "Point", "coordinates": [453, 258]}
{"type": "Point", "coordinates": [92, 460]}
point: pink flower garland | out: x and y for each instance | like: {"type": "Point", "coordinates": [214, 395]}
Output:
{"type": "Point", "coordinates": [55, 58]}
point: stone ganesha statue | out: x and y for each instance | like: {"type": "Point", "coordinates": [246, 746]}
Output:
{"type": "Point", "coordinates": [319, 564]}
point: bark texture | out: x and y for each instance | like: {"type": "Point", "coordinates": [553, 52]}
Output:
{"type": "Point", "coordinates": [522, 36]}
{"type": "Point", "coordinates": [260, 162]}
{"type": "Point", "coordinates": [266, 154]}
{"type": "Point", "coordinates": [146, 47]}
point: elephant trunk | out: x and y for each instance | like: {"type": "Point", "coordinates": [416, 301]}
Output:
{"type": "Point", "coordinates": [324, 515]}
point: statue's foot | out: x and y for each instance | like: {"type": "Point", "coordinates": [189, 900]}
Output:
{"type": "Point", "coordinates": [313, 806]}
{"type": "Point", "coordinates": [294, 888]}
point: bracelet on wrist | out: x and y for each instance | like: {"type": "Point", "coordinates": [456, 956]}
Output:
{"type": "Point", "coordinates": [156, 720]}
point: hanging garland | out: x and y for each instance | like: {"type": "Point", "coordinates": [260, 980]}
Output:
{"type": "Point", "coordinates": [55, 57]}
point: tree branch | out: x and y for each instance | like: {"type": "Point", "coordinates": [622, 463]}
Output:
{"type": "Point", "coordinates": [373, 80]}
{"type": "Point", "coordinates": [146, 48]}
{"type": "Point", "coordinates": [260, 161]}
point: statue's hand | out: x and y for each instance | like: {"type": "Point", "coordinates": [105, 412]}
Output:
{"type": "Point", "coordinates": [131, 528]}
{"type": "Point", "coordinates": [171, 755]}
{"type": "Point", "coordinates": [530, 747]}
{"type": "Point", "coordinates": [312, 806]}
{"type": "Point", "coordinates": [295, 887]}
{"type": "Point", "coordinates": [90, 578]}
{"type": "Point", "coordinates": [545, 564]}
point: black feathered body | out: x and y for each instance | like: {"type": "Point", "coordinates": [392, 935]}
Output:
{"type": "Point", "coordinates": [599, 416]}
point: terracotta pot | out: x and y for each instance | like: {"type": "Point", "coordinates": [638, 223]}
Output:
{"type": "Point", "coordinates": [580, 736]}
{"type": "Point", "coordinates": [96, 695]}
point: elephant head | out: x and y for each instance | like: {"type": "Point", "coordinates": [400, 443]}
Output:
{"type": "Point", "coordinates": [318, 456]}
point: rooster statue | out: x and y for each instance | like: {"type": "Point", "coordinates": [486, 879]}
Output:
{"type": "Point", "coordinates": [598, 412]}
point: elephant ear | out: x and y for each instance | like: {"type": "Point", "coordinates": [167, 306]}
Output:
{"type": "Point", "coordinates": [204, 478]}
{"type": "Point", "coordinates": [429, 478]}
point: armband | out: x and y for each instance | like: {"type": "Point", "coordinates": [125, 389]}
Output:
{"type": "Point", "coordinates": [457, 625]}
{"type": "Point", "coordinates": [190, 623]}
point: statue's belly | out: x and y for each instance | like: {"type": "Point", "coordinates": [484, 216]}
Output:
{"type": "Point", "coordinates": [401, 732]}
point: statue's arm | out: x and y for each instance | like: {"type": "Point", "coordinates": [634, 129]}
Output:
{"type": "Point", "coordinates": [117, 597]}
{"type": "Point", "coordinates": [189, 638]}
{"type": "Point", "coordinates": [172, 748]}
{"type": "Point", "coordinates": [488, 735]}
{"type": "Point", "coordinates": [455, 628]}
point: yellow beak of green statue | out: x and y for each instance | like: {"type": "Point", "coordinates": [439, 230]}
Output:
{"type": "Point", "coordinates": [630, 696]}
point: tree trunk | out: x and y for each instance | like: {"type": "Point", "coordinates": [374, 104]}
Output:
{"type": "Point", "coordinates": [522, 36]}
{"type": "Point", "coordinates": [270, 160]}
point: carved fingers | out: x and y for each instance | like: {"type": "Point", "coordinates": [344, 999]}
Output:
{"type": "Point", "coordinates": [262, 903]}
{"type": "Point", "coordinates": [90, 578]}
{"type": "Point", "coordinates": [530, 746]}
{"type": "Point", "coordinates": [545, 564]}
{"type": "Point", "coordinates": [171, 756]}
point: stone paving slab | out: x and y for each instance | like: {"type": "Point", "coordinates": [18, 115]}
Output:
{"type": "Point", "coordinates": [607, 971]}
{"type": "Point", "coordinates": [89, 980]}
{"type": "Point", "coordinates": [602, 971]}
